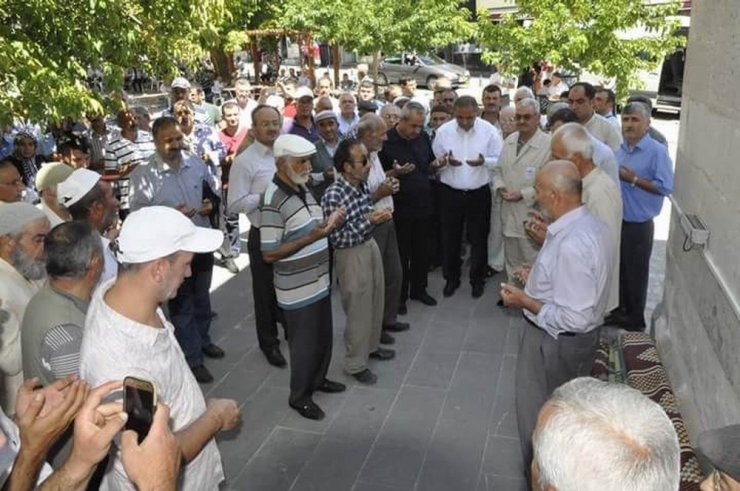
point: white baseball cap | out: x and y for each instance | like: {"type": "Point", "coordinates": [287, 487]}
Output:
{"type": "Point", "coordinates": [76, 186]}
{"type": "Point", "coordinates": [302, 91]}
{"type": "Point", "coordinates": [155, 232]}
{"type": "Point", "coordinates": [292, 146]}
{"type": "Point", "coordinates": [180, 83]}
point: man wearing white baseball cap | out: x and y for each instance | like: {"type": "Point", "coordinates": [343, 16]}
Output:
{"type": "Point", "coordinates": [87, 197]}
{"type": "Point", "coordinates": [303, 123]}
{"type": "Point", "coordinates": [180, 91]}
{"type": "Point", "coordinates": [127, 334]}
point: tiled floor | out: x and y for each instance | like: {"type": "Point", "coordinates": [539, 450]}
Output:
{"type": "Point", "coordinates": [441, 416]}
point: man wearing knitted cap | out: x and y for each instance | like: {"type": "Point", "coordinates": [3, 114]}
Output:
{"type": "Point", "coordinates": [293, 239]}
{"type": "Point", "coordinates": [127, 334]}
{"type": "Point", "coordinates": [87, 197]}
{"type": "Point", "coordinates": [22, 231]}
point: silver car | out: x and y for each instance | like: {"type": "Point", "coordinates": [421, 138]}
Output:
{"type": "Point", "coordinates": [425, 69]}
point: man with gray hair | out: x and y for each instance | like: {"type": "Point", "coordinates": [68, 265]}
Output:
{"type": "Point", "coordinates": [522, 93]}
{"type": "Point", "coordinates": [22, 272]}
{"type": "Point", "coordinates": [55, 316]}
{"type": "Point", "coordinates": [565, 297]}
{"type": "Point", "coordinates": [599, 436]}
{"type": "Point", "coordinates": [525, 152]}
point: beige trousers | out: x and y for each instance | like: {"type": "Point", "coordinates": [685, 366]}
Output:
{"type": "Point", "coordinates": [518, 251]}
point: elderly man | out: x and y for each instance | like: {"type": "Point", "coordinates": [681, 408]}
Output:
{"type": "Point", "coordinates": [127, 334]}
{"type": "Point", "coordinates": [600, 194]}
{"type": "Point", "coordinates": [407, 155]}
{"type": "Point", "coordinates": [50, 175]}
{"type": "Point", "coordinates": [251, 173]}
{"type": "Point", "coordinates": [372, 133]}
{"type": "Point", "coordinates": [245, 101]}
{"type": "Point", "coordinates": [322, 162]}
{"type": "Point", "coordinates": [391, 114]}
{"type": "Point", "coordinates": [303, 124]}
{"type": "Point", "coordinates": [347, 116]}
{"type": "Point", "coordinates": [180, 91]}
{"type": "Point", "coordinates": [55, 317]}
{"type": "Point", "coordinates": [581, 100]}
{"type": "Point", "coordinates": [11, 183]}
{"type": "Point", "coordinates": [627, 440]}
{"type": "Point", "coordinates": [565, 297]}
{"type": "Point", "coordinates": [293, 239]}
{"type": "Point", "coordinates": [604, 102]}
{"type": "Point", "coordinates": [175, 178]}
{"type": "Point", "coordinates": [646, 172]}
{"type": "Point", "coordinates": [525, 152]}
{"type": "Point", "coordinates": [22, 231]}
{"type": "Point", "coordinates": [467, 149]}
{"type": "Point", "coordinates": [358, 262]}
{"type": "Point", "coordinates": [87, 197]}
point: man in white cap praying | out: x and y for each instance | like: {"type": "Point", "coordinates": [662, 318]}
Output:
{"type": "Point", "coordinates": [23, 228]}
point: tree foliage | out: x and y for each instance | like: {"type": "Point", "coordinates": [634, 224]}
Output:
{"type": "Point", "coordinates": [46, 47]}
{"type": "Point", "coordinates": [613, 39]}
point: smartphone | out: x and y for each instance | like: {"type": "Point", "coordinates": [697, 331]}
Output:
{"type": "Point", "coordinates": [139, 402]}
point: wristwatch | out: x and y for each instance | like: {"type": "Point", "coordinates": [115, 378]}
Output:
{"type": "Point", "coordinates": [634, 181]}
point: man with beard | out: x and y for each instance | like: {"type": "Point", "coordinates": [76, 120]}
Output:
{"type": "Point", "coordinates": [23, 228]}
{"type": "Point", "coordinates": [175, 178]}
{"type": "Point", "coordinates": [293, 238]}
{"type": "Point", "coordinates": [87, 197]}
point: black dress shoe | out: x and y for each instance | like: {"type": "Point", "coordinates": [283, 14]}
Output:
{"type": "Point", "coordinates": [500, 303]}
{"type": "Point", "coordinates": [616, 318]}
{"type": "Point", "coordinates": [309, 410]}
{"type": "Point", "coordinates": [202, 374]}
{"type": "Point", "coordinates": [331, 387]}
{"type": "Point", "coordinates": [386, 338]}
{"type": "Point", "coordinates": [491, 272]}
{"type": "Point", "coordinates": [213, 351]}
{"type": "Point", "coordinates": [230, 265]}
{"type": "Point", "coordinates": [402, 310]}
{"type": "Point", "coordinates": [383, 354]}
{"type": "Point", "coordinates": [275, 357]}
{"type": "Point", "coordinates": [450, 288]}
{"type": "Point", "coordinates": [365, 377]}
{"type": "Point", "coordinates": [397, 327]}
{"type": "Point", "coordinates": [424, 298]}
{"type": "Point", "coordinates": [478, 290]}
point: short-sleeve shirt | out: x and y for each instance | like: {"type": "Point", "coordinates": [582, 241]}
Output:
{"type": "Point", "coordinates": [288, 215]}
{"type": "Point", "coordinates": [114, 347]}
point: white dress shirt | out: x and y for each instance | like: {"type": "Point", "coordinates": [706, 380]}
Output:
{"type": "Point", "coordinates": [482, 139]}
{"type": "Point", "coordinates": [249, 177]}
{"type": "Point", "coordinates": [375, 179]}
{"type": "Point", "coordinates": [346, 126]}
{"type": "Point", "coordinates": [572, 274]}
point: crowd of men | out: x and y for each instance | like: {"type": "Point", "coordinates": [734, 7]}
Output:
{"type": "Point", "coordinates": [107, 224]}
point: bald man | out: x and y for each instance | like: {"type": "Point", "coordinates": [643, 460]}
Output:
{"type": "Point", "coordinates": [565, 297]}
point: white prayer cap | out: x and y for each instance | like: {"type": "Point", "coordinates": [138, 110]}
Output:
{"type": "Point", "coordinates": [15, 216]}
{"type": "Point", "coordinates": [155, 232]}
{"type": "Point", "coordinates": [293, 146]}
{"type": "Point", "coordinates": [76, 186]}
{"type": "Point", "coordinates": [52, 173]}
{"type": "Point", "coordinates": [325, 114]}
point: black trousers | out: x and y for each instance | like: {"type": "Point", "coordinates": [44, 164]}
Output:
{"type": "Point", "coordinates": [266, 312]}
{"type": "Point", "coordinates": [190, 310]}
{"type": "Point", "coordinates": [310, 341]}
{"type": "Point", "coordinates": [544, 364]}
{"type": "Point", "coordinates": [471, 209]}
{"type": "Point", "coordinates": [634, 271]}
{"type": "Point", "coordinates": [435, 227]}
{"type": "Point", "coordinates": [413, 247]}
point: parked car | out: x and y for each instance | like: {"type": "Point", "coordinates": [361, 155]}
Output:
{"type": "Point", "coordinates": [426, 69]}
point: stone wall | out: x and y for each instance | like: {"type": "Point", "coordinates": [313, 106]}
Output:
{"type": "Point", "coordinates": [698, 331]}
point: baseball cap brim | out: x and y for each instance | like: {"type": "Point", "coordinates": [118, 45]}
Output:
{"type": "Point", "coordinates": [202, 240]}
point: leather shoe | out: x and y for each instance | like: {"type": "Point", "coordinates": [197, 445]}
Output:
{"type": "Point", "coordinates": [275, 357]}
{"type": "Point", "coordinates": [397, 327]}
{"type": "Point", "coordinates": [230, 265]}
{"type": "Point", "coordinates": [386, 338]}
{"type": "Point", "coordinates": [402, 310]}
{"type": "Point", "coordinates": [500, 303]}
{"type": "Point", "coordinates": [491, 272]}
{"type": "Point", "coordinates": [424, 298]}
{"type": "Point", "coordinates": [478, 290]}
{"type": "Point", "coordinates": [213, 351]}
{"type": "Point", "coordinates": [383, 354]}
{"type": "Point", "coordinates": [450, 288]}
{"type": "Point", "coordinates": [202, 374]}
{"type": "Point", "coordinates": [309, 410]}
{"type": "Point", "coordinates": [365, 377]}
{"type": "Point", "coordinates": [331, 387]}
{"type": "Point", "coordinates": [616, 318]}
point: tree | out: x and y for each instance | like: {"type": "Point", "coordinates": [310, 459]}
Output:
{"type": "Point", "coordinates": [48, 45]}
{"type": "Point", "coordinates": [613, 39]}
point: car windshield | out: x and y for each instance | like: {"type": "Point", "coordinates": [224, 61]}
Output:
{"type": "Point", "coordinates": [430, 59]}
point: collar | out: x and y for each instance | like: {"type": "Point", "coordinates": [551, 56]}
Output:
{"type": "Point", "coordinates": [642, 144]}
{"type": "Point", "coordinates": [163, 166]}
{"type": "Point", "coordinates": [301, 193]}
{"type": "Point", "coordinates": [80, 303]}
{"type": "Point", "coordinates": [591, 176]}
{"type": "Point", "coordinates": [142, 333]}
{"type": "Point", "coordinates": [356, 189]}
{"type": "Point", "coordinates": [535, 141]}
{"type": "Point", "coordinates": [565, 221]}
{"type": "Point", "coordinates": [261, 148]}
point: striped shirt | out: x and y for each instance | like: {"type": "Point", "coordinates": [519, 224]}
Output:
{"type": "Point", "coordinates": [287, 215]}
{"type": "Point", "coordinates": [356, 228]}
{"type": "Point", "coordinates": [121, 150]}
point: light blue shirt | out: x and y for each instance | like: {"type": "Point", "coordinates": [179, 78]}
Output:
{"type": "Point", "coordinates": [605, 159]}
{"type": "Point", "coordinates": [649, 160]}
{"type": "Point", "coordinates": [572, 274]}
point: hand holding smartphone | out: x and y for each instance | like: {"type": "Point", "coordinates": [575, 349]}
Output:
{"type": "Point", "coordinates": [139, 402]}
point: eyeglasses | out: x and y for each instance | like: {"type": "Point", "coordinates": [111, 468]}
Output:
{"type": "Point", "coordinates": [523, 117]}
{"type": "Point", "coordinates": [363, 161]}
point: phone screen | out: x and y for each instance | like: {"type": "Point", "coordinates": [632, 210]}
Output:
{"type": "Point", "coordinates": [139, 405]}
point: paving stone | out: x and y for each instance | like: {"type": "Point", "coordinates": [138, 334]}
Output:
{"type": "Point", "coordinates": [444, 337]}
{"type": "Point", "coordinates": [279, 460]}
{"type": "Point", "coordinates": [331, 405]}
{"type": "Point", "coordinates": [240, 383]}
{"type": "Point", "coordinates": [333, 466]}
{"type": "Point", "coordinates": [412, 418]}
{"type": "Point", "coordinates": [486, 336]}
{"type": "Point", "coordinates": [367, 486]}
{"type": "Point", "coordinates": [492, 482]}
{"type": "Point", "coordinates": [392, 465]}
{"type": "Point", "coordinates": [362, 415]}
{"type": "Point", "coordinates": [503, 457]}
{"type": "Point", "coordinates": [433, 369]}
{"type": "Point", "coordinates": [503, 417]}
